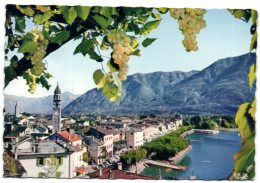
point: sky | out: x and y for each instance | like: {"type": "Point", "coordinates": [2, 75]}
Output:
{"type": "Point", "coordinates": [224, 36]}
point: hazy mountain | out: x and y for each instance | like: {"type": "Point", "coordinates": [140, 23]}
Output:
{"type": "Point", "coordinates": [218, 89]}
{"type": "Point", "coordinates": [36, 105]}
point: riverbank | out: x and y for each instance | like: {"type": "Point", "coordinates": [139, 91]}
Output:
{"type": "Point", "coordinates": [228, 129]}
{"type": "Point", "coordinates": [180, 155]}
{"type": "Point", "coordinates": [205, 160]}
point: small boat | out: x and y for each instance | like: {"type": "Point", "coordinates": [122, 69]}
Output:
{"type": "Point", "coordinates": [168, 169]}
{"type": "Point", "coordinates": [206, 161]}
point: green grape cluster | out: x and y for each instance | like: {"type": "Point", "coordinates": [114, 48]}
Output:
{"type": "Point", "coordinates": [38, 55]}
{"type": "Point", "coordinates": [190, 23]}
{"type": "Point", "coordinates": [32, 83]}
{"type": "Point", "coordinates": [121, 51]}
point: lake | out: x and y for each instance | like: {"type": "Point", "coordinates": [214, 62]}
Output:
{"type": "Point", "coordinates": [211, 157]}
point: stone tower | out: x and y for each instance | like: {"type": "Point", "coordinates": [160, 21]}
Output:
{"type": "Point", "coordinates": [56, 116]}
{"type": "Point", "coordinates": [16, 113]}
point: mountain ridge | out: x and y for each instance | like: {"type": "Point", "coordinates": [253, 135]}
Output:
{"type": "Point", "coordinates": [220, 88]}
{"type": "Point", "coordinates": [36, 105]}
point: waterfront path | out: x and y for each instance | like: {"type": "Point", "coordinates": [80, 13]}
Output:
{"type": "Point", "coordinates": [181, 154]}
{"type": "Point", "coordinates": [164, 164]}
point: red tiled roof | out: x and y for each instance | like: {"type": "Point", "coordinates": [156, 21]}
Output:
{"type": "Point", "coordinates": [69, 136]}
{"type": "Point", "coordinates": [119, 174]}
{"type": "Point", "coordinates": [147, 119]}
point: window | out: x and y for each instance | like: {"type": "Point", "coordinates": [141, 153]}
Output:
{"type": "Point", "coordinates": [40, 161]}
{"type": "Point", "coordinates": [60, 160]}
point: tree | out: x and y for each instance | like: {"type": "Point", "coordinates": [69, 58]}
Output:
{"type": "Point", "coordinates": [86, 157]}
{"type": "Point", "coordinates": [133, 156]}
{"type": "Point", "coordinates": [10, 166]}
{"type": "Point", "coordinates": [195, 120]}
{"type": "Point", "coordinates": [52, 168]}
{"type": "Point", "coordinates": [206, 125]}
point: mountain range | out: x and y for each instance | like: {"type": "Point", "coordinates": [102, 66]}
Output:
{"type": "Point", "coordinates": [41, 105]}
{"type": "Point", "coordinates": [218, 89]}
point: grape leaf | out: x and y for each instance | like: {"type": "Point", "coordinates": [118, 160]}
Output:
{"type": "Point", "coordinates": [42, 8]}
{"type": "Point", "coordinates": [137, 52]}
{"type": "Point", "coordinates": [93, 55]}
{"type": "Point", "coordinates": [19, 24]}
{"type": "Point", "coordinates": [44, 82]}
{"type": "Point", "coordinates": [156, 16]}
{"type": "Point", "coordinates": [14, 61]}
{"type": "Point", "coordinates": [107, 90]}
{"type": "Point", "coordinates": [28, 46]}
{"type": "Point", "coordinates": [117, 81]}
{"type": "Point", "coordinates": [105, 11]}
{"type": "Point", "coordinates": [27, 10]}
{"type": "Point", "coordinates": [252, 75]}
{"type": "Point", "coordinates": [245, 156]}
{"type": "Point", "coordinates": [83, 11]}
{"type": "Point", "coordinates": [253, 41]}
{"type": "Point", "coordinates": [244, 122]}
{"type": "Point", "coordinates": [141, 19]}
{"type": "Point", "coordinates": [60, 37]}
{"type": "Point", "coordinates": [97, 76]}
{"type": "Point", "coordinates": [148, 41]}
{"type": "Point", "coordinates": [254, 16]}
{"type": "Point", "coordinates": [85, 46]}
{"type": "Point", "coordinates": [68, 13]}
{"type": "Point", "coordinates": [10, 74]}
{"type": "Point", "coordinates": [111, 67]}
{"type": "Point", "coordinates": [252, 109]}
{"type": "Point", "coordinates": [42, 18]}
{"type": "Point", "coordinates": [240, 14]}
{"type": "Point", "coordinates": [103, 22]}
{"type": "Point", "coordinates": [149, 26]}
{"type": "Point", "coordinates": [162, 10]}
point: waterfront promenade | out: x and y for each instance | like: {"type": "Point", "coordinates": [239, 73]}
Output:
{"type": "Point", "coordinates": [164, 164]}
{"type": "Point", "coordinates": [181, 154]}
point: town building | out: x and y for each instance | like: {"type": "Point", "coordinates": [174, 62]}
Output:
{"type": "Point", "coordinates": [106, 138]}
{"type": "Point", "coordinates": [74, 140]}
{"type": "Point", "coordinates": [95, 148]}
{"type": "Point", "coordinates": [134, 137]}
{"type": "Point", "coordinates": [34, 156]}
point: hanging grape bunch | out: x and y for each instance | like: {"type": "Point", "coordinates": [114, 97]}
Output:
{"type": "Point", "coordinates": [31, 82]}
{"type": "Point", "coordinates": [121, 51]}
{"type": "Point", "coordinates": [38, 55]}
{"type": "Point", "coordinates": [190, 23]}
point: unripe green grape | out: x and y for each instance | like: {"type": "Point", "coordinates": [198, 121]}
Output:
{"type": "Point", "coordinates": [190, 23]}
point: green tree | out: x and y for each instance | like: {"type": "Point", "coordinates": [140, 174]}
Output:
{"type": "Point", "coordinates": [10, 166]}
{"type": "Point", "coordinates": [133, 156]}
{"type": "Point", "coordinates": [86, 157]}
{"type": "Point", "coordinates": [195, 120]}
{"type": "Point", "coordinates": [52, 167]}
{"type": "Point", "coordinates": [206, 125]}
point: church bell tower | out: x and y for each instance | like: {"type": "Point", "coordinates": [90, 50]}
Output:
{"type": "Point", "coordinates": [56, 116]}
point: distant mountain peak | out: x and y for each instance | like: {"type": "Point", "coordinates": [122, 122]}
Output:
{"type": "Point", "coordinates": [218, 89]}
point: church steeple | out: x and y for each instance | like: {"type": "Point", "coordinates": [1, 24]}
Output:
{"type": "Point", "coordinates": [17, 109]}
{"type": "Point", "coordinates": [56, 117]}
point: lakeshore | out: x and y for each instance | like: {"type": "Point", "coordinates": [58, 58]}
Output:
{"type": "Point", "coordinates": [204, 160]}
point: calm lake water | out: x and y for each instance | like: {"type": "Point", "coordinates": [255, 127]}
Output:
{"type": "Point", "coordinates": [211, 157]}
